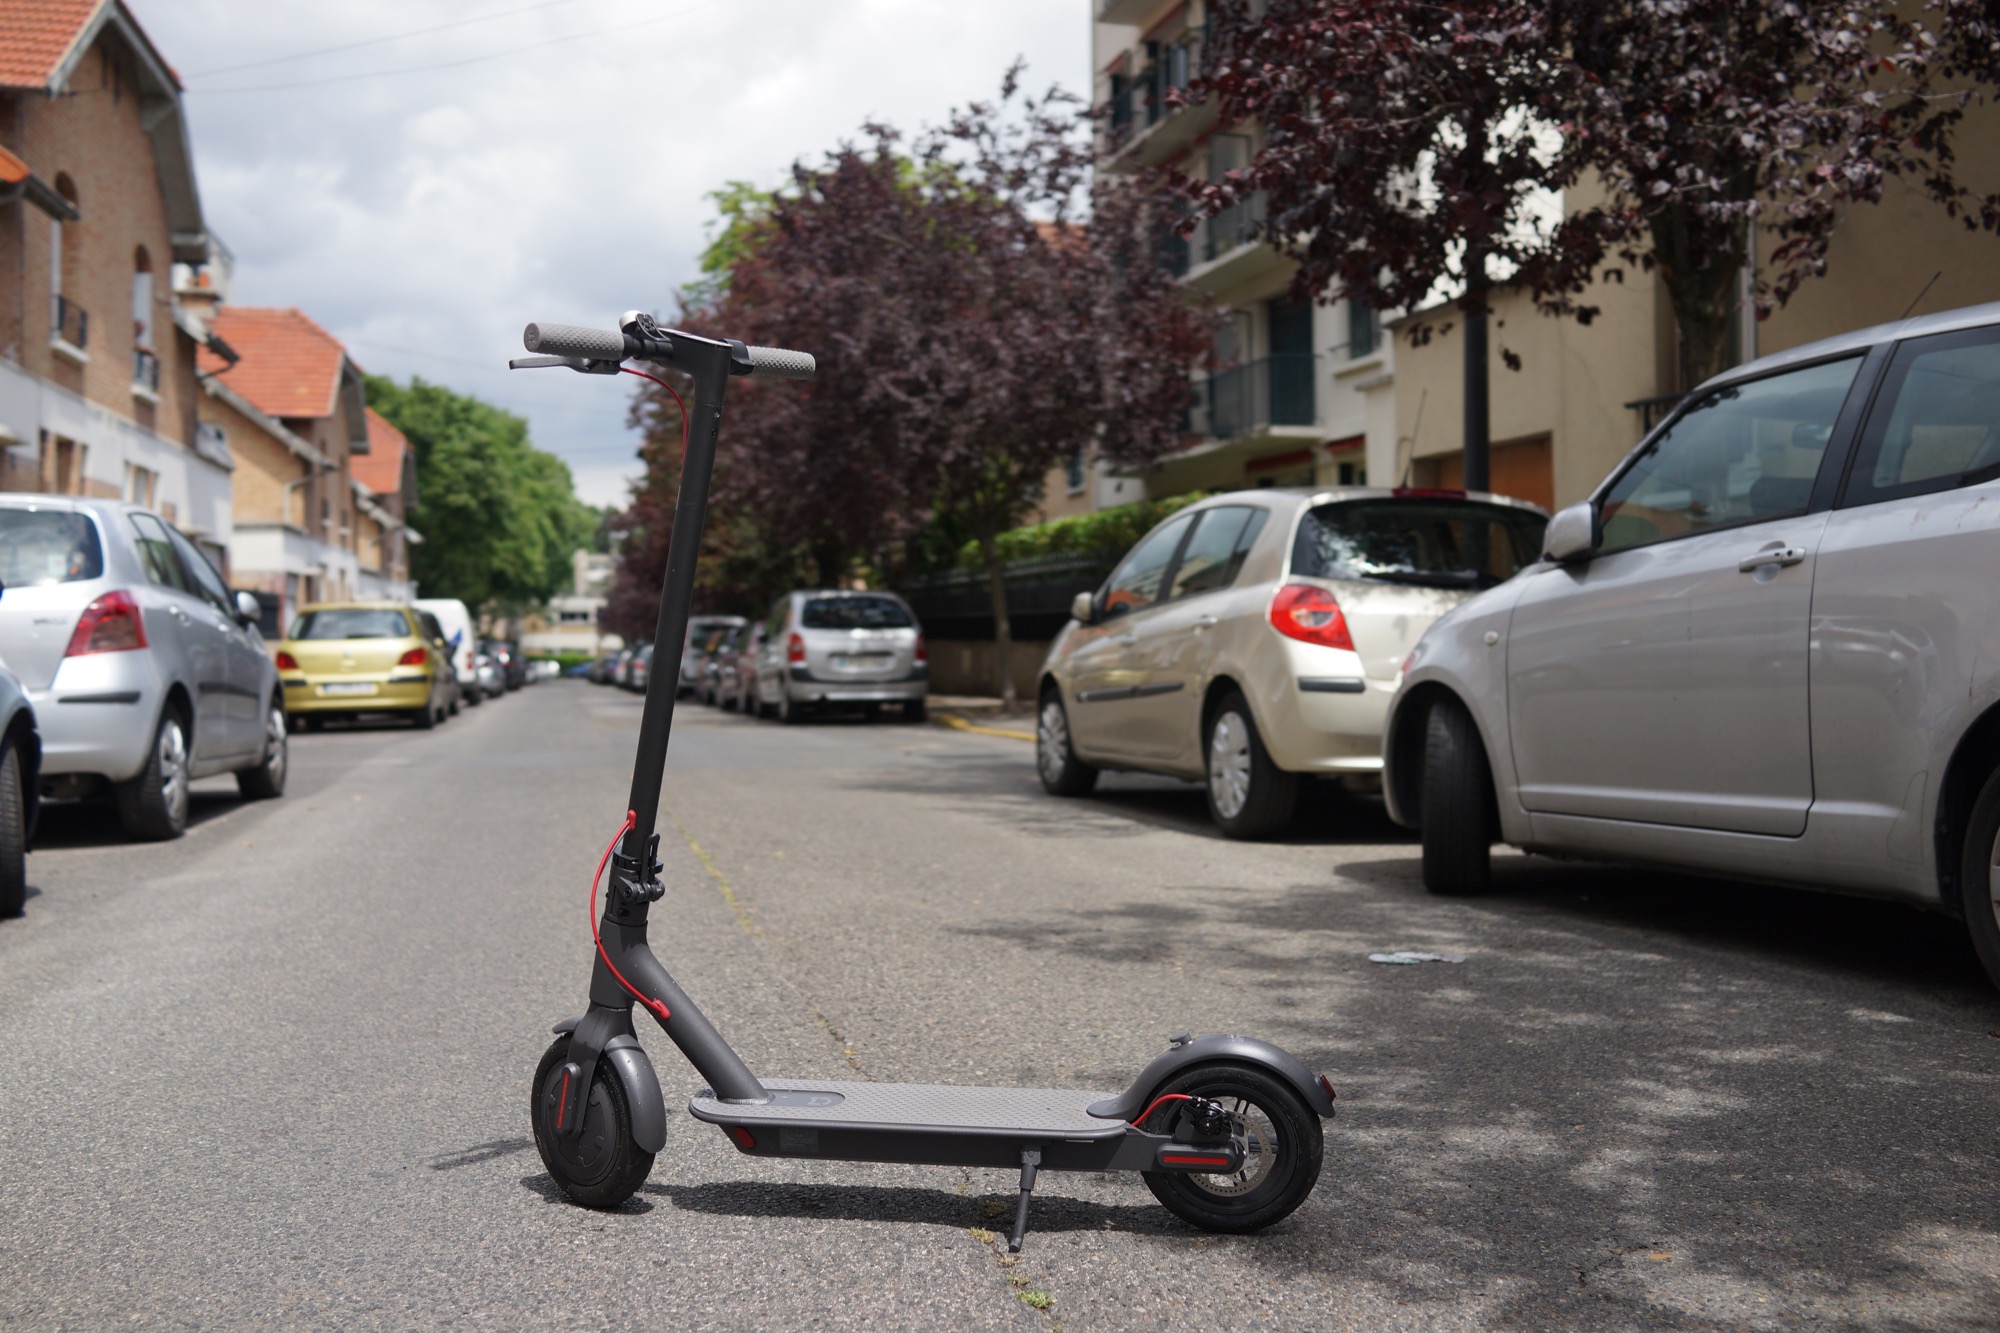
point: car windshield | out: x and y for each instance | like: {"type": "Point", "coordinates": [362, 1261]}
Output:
{"type": "Point", "coordinates": [855, 613]}
{"type": "Point", "coordinates": [45, 546]}
{"type": "Point", "coordinates": [1432, 543]}
{"type": "Point", "coordinates": [352, 623]}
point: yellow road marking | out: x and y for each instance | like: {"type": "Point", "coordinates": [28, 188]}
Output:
{"type": "Point", "coordinates": [957, 723]}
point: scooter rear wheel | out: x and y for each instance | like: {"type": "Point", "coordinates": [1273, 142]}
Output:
{"type": "Point", "coordinates": [600, 1167]}
{"type": "Point", "coordinates": [1282, 1142]}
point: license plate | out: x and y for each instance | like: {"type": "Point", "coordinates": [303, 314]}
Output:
{"type": "Point", "coordinates": [861, 661]}
{"type": "Point", "coordinates": [349, 687]}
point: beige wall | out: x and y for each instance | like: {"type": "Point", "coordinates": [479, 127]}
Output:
{"type": "Point", "coordinates": [264, 468]}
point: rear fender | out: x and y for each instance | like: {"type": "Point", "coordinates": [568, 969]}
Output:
{"type": "Point", "coordinates": [1208, 1051]}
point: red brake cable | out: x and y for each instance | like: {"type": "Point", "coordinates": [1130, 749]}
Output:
{"type": "Point", "coordinates": [1140, 1119]}
{"type": "Point", "coordinates": [658, 1008]}
{"type": "Point", "coordinates": [678, 402]}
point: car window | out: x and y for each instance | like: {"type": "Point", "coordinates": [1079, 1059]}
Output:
{"type": "Point", "coordinates": [1136, 583]}
{"type": "Point", "coordinates": [432, 630]}
{"type": "Point", "coordinates": [1936, 420]}
{"type": "Point", "coordinates": [1432, 543]}
{"type": "Point", "coordinates": [1214, 554]}
{"type": "Point", "coordinates": [352, 622]}
{"type": "Point", "coordinates": [156, 549]}
{"type": "Point", "coordinates": [46, 546]}
{"type": "Point", "coordinates": [774, 624]}
{"type": "Point", "coordinates": [196, 565]}
{"type": "Point", "coordinates": [1741, 454]}
{"type": "Point", "coordinates": [855, 613]}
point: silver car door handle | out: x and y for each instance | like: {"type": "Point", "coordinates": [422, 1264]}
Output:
{"type": "Point", "coordinates": [1784, 555]}
{"type": "Point", "coordinates": [1205, 622]}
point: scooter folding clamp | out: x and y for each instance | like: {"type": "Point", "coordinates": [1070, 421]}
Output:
{"type": "Point", "coordinates": [634, 881]}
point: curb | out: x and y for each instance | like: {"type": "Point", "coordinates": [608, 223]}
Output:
{"type": "Point", "coordinates": [957, 723]}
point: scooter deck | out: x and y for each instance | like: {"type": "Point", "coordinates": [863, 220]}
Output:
{"type": "Point", "coordinates": [924, 1123]}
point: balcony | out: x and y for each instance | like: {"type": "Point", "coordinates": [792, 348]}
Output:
{"type": "Point", "coordinates": [146, 373]}
{"type": "Point", "coordinates": [1251, 399]}
{"type": "Point", "coordinates": [1126, 11]}
{"type": "Point", "coordinates": [69, 330]}
{"type": "Point", "coordinates": [1140, 124]}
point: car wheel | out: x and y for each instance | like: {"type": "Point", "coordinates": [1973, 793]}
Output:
{"type": "Point", "coordinates": [916, 710]}
{"type": "Point", "coordinates": [791, 712]}
{"type": "Point", "coordinates": [1457, 804]}
{"type": "Point", "coordinates": [154, 806]}
{"type": "Point", "coordinates": [13, 836]}
{"type": "Point", "coordinates": [1249, 796]}
{"type": "Point", "coordinates": [1063, 774]}
{"type": "Point", "coordinates": [426, 718]}
{"type": "Point", "coordinates": [452, 711]}
{"type": "Point", "coordinates": [267, 780]}
{"type": "Point", "coordinates": [1979, 877]}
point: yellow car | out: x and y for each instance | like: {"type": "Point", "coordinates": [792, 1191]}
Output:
{"type": "Point", "coordinates": [361, 657]}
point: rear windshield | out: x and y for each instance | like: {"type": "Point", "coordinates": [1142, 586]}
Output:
{"type": "Point", "coordinates": [352, 623]}
{"type": "Point", "coordinates": [45, 546]}
{"type": "Point", "coordinates": [1429, 543]}
{"type": "Point", "coordinates": [855, 613]}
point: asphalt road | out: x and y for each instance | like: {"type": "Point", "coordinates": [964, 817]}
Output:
{"type": "Point", "coordinates": [275, 1074]}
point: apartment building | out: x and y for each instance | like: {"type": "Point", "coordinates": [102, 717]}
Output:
{"type": "Point", "coordinates": [1302, 393]}
{"type": "Point", "coordinates": [385, 490]}
{"type": "Point", "coordinates": [98, 392]}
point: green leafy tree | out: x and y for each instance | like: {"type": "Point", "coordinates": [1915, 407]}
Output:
{"type": "Point", "coordinates": [499, 517]}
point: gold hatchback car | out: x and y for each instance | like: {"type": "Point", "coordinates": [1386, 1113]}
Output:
{"type": "Point", "coordinates": [361, 657]}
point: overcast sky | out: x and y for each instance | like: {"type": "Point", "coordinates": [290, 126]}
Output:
{"type": "Point", "coordinates": [558, 171]}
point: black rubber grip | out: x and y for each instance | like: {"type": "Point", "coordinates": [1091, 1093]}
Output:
{"type": "Point", "coordinates": [782, 364]}
{"type": "Point", "coordinates": [574, 340]}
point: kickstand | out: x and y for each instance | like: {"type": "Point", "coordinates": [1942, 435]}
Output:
{"type": "Point", "coordinates": [1031, 1158]}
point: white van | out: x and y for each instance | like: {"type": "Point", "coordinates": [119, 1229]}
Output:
{"type": "Point", "coordinates": [456, 622]}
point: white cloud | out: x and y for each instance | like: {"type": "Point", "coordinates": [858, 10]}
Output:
{"type": "Point", "coordinates": [424, 217]}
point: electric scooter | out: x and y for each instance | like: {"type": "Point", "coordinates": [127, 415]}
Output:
{"type": "Point", "coordinates": [1225, 1130]}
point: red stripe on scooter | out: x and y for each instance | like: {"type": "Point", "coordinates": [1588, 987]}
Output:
{"type": "Point", "coordinates": [1177, 1160]}
{"type": "Point", "coordinates": [562, 1104]}
{"type": "Point", "coordinates": [744, 1137]}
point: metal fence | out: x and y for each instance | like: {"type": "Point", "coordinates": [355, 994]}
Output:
{"type": "Point", "coordinates": [958, 603]}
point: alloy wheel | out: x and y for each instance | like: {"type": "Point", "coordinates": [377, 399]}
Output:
{"type": "Point", "coordinates": [1052, 741]}
{"type": "Point", "coordinates": [174, 770]}
{"type": "Point", "coordinates": [1229, 765]}
{"type": "Point", "coordinates": [277, 748]}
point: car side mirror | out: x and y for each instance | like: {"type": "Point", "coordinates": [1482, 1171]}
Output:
{"type": "Point", "coordinates": [1572, 533]}
{"type": "Point", "coordinates": [248, 612]}
{"type": "Point", "coordinates": [1083, 608]}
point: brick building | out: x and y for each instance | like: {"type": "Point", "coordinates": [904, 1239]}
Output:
{"type": "Point", "coordinates": [385, 487]}
{"type": "Point", "coordinates": [98, 394]}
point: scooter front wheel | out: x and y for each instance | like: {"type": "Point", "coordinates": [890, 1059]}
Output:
{"type": "Point", "coordinates": [600, 1167]}
{"type": "Point", "coordinates": [1281, 1141]}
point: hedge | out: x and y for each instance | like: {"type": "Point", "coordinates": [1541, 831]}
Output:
{"type": "Point", "coordinates": [1116, 529]}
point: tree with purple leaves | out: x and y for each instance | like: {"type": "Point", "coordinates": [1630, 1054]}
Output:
{"type": "Point", "coordinates": [1414, 149]}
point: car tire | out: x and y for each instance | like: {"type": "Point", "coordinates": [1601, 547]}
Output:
{"type": "Point", "coordinates": [1249, 796]}
{"type": "Point", "coordinates": [790, 711]}
{"type": "Point", "coordinates": [266, 781]}
{"type": "Point", "coordinates": [13, 835]}
{"type": "Point", "coordinates": [1457, 807]}
{"type": "Point", "coordinates": [426, 718]}
{"type": "Point", "coordinates": [452, 710]}
{"type": "Point", "coordinates": [1976, 877]}
{"type": "Point", "coordinates": [916, 710]}
{"type": "Point", "coordinates": [153, 807]}
{"type": "Point", "coordinates": [1062, 773]}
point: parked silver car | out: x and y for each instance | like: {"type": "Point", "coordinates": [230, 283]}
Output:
{"type": "Point", "coordinates": [701, 635]}
{"type": "Point", "coordinates": [145, 672]}
{"type": "Point", "coordinates": [1767, 646]}
{"type": "Point", "coordinates": [825, 648]}
{"type": "Point", "coordinates": [1253, 640]}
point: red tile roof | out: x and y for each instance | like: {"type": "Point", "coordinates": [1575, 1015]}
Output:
{"type": "Point", "coordinates": [381, 468]}
{"type": "Point", "coordinates": [35, 35]}
{"type": "Point", "coordinates": [290, 366]}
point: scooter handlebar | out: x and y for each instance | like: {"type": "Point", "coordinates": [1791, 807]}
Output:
{"type": "Point", "coordinates": [779, 363]}
{"type": "Point", "coordinates": [574, 340]}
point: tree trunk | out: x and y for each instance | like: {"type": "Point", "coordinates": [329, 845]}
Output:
{"type": "Point", "coordinates": [1703, 282]}
{"type": "Point", "coordinates": [1003, 629]}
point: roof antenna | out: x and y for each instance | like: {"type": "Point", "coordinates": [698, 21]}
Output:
{"type": "Point", "coordinates": [1920, 296]}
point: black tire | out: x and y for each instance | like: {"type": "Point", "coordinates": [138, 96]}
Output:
{"type": "Point", "coordinates": [601, 1167]}
{"type": "Point", "coordinates": [1275, 1179]}
{"type": "Point", "coordinates": [1062, 773]}
{"type": "Point", "coordinates": [790, 711]}
{"type": "Point", "coordinates": [425, 717]}
{"type": "Point", "coordinates": [153, 807]}
{"type": "Point", "coordinates": [266, 781]}
{"type": "Point", "coordinates": [311, 722]}
{"type": "Point", "coordinates": [1978, 897]}
{"type": "Point", "coordinates": [1249, 796]}
{"type": "Point", "coordinates": [13, 836]}
{"type": "Point", "coordinates": [1457, 804]}
{"type": "Point", "coordinates": [916, 710]}
{"type": "Point", "coordinates": [452, 710]}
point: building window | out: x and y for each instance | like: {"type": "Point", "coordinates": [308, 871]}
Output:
{"type": "Point", "coordinates": [62, 465]}
{"type": "Point", "coordinates": [1364, 329]}
{"type": "Point", "coordinates": [1073, 471]}
{"type": "Point", "coordinates": [68, 322]}
{"type": "Point", "coordinates": [142, 485]}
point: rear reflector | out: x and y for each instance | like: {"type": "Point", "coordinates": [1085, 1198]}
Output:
{"type": "Point", "coordinates": [1309, 613]}
{"type": "Point", "coordinates": [744, 1138]}
{"type": "Point", "coordinates": [1326, 1088]}
{"type": "Point", "coordinates": [111, 624]}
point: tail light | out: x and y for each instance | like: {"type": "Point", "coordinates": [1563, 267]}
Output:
{"type": "Point", "coordinates": [111, 624]}
{"type": "Point", "coordinates": [415, 657]}
{"type": "Point", "coordinates": [795, 650]}
{"type": "Point", "coordinates": [1308, 613]}
{"type": "Point", "coordinates": [923, 653]}
{"type": "Point", "coordinates": [286, 662]}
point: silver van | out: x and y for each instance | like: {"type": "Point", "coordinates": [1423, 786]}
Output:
{"type": "Point", "coordinates": [144, 670]}
{"type": "Point", "coordinates": [828, 648]}
{"type": "Point", "coordinates": [1767, 646]}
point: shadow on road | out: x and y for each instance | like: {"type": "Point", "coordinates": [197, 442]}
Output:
{"type": "Point", "coordinates": [927, 1207]}
{"type": "Point", "coordinates": [95, 823]}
